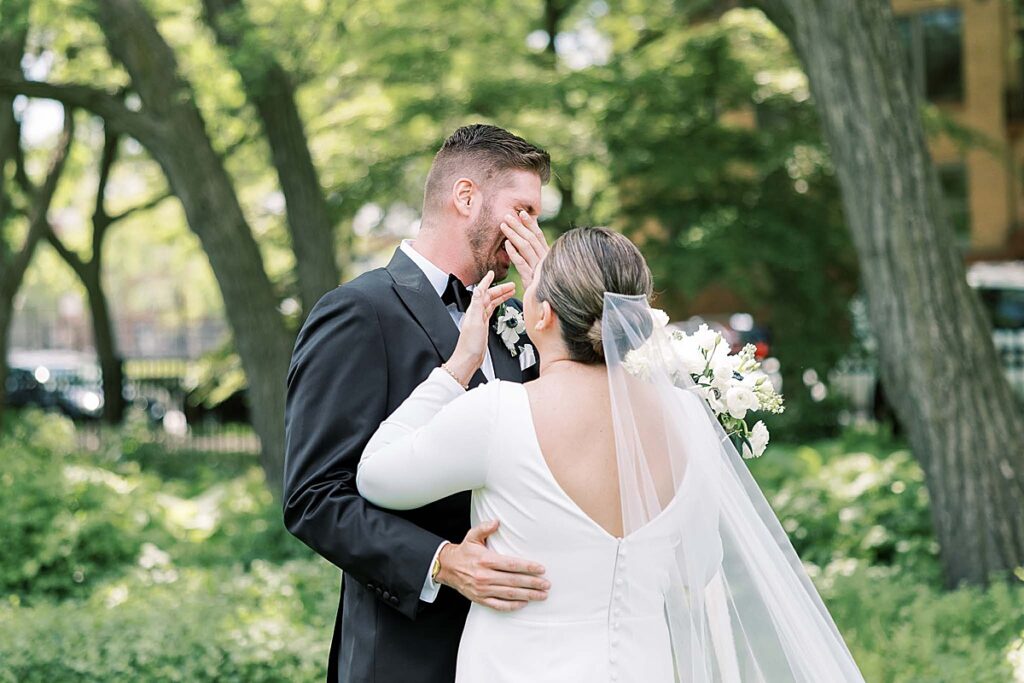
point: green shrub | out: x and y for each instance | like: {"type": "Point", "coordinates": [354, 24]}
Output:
{"type": "Point", "coordinates": [902, 630]}
{"type": "Point", "coordinates": [869, 504]}
{"type": "Point", "coordinates": [233, 521]}
{"type": "Point", "coordinates": [271, 623]}
{"type": "Point", "coordinates": [64, 525]}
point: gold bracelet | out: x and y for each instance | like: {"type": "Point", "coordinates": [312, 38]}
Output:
{"type": "Point", "coordinates": [454, 376]}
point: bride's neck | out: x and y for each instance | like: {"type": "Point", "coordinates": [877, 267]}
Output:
{"type": "Point", "coordinates": [565, 365]}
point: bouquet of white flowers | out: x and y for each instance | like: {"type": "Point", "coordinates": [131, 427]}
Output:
{"type": "Point", "coordinates": [732, 384]}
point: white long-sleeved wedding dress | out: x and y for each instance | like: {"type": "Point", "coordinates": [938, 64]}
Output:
{"type": "Point", "coordinates": [705, 586]}
{"type": "Point", "coordinates": [604, 619]}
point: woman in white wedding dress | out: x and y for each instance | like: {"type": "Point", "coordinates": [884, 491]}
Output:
{"type": "Point", "coordinates": [665, 562]}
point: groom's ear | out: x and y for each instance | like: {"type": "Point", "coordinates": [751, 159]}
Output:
{"type": "Point", "coordinates": [465, 195]}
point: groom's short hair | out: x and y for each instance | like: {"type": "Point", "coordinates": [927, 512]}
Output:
{"type": "Point", "coordinates": [482, 153]}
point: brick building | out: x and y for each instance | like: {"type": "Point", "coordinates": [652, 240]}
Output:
{"type": "Point", "coordinates": [965, 57]}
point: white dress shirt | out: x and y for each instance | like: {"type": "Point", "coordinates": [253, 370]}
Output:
{"type": "Point", "coordinates": [439, 280]}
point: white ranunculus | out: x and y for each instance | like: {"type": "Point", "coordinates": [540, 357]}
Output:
{"type": "Point", "coordinates": [759, 438]}
{"type": "Point", "coordinates": [739, 400]}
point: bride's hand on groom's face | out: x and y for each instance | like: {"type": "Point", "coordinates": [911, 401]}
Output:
{"type": "Point", "coordinates": [525, 243]}
{"type": "Point", "coordinates": [472, 347]}
{"type": "Point", "coordinates": [503, 583]}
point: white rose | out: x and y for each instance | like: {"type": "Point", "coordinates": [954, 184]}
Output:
{"type": "Point", "coordinates": [740, 399]}
{"type": "Point", "coordinates": [759, 438]}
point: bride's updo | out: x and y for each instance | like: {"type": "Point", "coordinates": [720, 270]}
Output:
{"type": "Point", "coordinates": [580, 267]}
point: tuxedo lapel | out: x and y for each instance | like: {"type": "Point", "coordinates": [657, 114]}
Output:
{"type": "Point", "coordinates": [423, 303]}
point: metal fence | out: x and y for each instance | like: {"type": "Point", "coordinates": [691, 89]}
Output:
{"type": "Point", "coordinates": [857, 379]}
{"type": "Point", "coordinates": [160, 396]}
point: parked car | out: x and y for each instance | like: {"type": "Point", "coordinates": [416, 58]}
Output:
{"type": "Point", "coordinates": [1001, 288]}
{"type": "Point", "coordinates": [24, 390]}
{"type": "Point", "coordinates": [71, 382]}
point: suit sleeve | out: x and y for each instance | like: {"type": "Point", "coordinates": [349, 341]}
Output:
{"type": "Point", "coordinates": [336, 398]}
{"type": "Point", "coordinates": [435, 444]}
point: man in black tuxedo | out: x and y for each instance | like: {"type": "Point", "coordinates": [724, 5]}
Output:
{"type": "Point", "coordinates": [362, 350]}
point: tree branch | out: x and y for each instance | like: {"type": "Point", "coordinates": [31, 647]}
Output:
{"type": "Point", "coordinates": [110, 143]}
{"type": "Point", "coordinates": [74, 260]}
{"type": "Point", "coordinates": [145, 206]}
{"type": "Point", "coordinates": [20, 175]}
{"type": "Point", "coordinates": [41, 198]}
{"type": "Point", "coordinates": [105, 105]}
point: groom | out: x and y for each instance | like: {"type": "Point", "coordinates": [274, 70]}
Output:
{"type": "Point", "coordinates": [362, 350]}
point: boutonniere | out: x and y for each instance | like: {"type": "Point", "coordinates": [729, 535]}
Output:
{"type": "Point", "coordinates": [510, 325]}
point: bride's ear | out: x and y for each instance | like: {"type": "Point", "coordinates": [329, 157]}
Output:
{"type": "Point", "coordinates": [547, 316]}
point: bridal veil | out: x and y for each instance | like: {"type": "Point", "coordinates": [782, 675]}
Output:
{"type": "Point", "coordinates": [739, 603]}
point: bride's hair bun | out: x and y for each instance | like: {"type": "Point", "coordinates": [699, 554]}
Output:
{"type": "Point", "coordinates": [581, 266]}
{"type": "Point", "coordinates": [596, 338]}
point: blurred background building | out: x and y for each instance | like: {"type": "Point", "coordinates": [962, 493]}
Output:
{"type": "Point", "coordinates": [966, 59]}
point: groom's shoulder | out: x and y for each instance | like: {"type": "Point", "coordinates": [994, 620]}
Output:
{"type": "Point", "coordinates": [370, 283]}
{"type": "Point", "coordinates": [362, 290]}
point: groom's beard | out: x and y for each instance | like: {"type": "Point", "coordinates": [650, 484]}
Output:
{"type": "Point", "coordinates": [487, 244]}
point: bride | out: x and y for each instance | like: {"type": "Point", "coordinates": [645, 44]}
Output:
{"type": "Point", "coordinates": [665, 561]}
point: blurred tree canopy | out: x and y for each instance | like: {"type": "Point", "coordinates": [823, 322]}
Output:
{"type": "Point", "coordinates": [687, 128]}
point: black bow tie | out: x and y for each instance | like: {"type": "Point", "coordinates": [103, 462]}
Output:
{"type": "Point", "coordinates": [456, 293]}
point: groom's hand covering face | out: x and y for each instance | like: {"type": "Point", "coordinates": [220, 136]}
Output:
{"type": "Point", "coordinates": [525, 243]}
{"type": "Point", "coordinates": [507, 194]}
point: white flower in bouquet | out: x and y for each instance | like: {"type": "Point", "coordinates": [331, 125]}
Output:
{"type": "Point", "coordinates": [732, 384]}
{"type": "Point", "coordinates": [638, 362]}
{"type": "Point", "coordinates": [689, 353]}
{"type": "Point", "coordinates": [661, 318]}
{"type": "Point", "coordinates": [706, 338]}
{"type": "Point", "coordinates": [712, 397]}
{"type": "Point", "coordinates": [722, 373]}
{"type": "Point", "coordinates": [740, 399]}
{"type": "Point", "coordinates": [758, 441]}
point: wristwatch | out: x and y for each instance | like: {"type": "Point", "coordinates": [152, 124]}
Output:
{"type": "Point", "coordinates": [435, 568]}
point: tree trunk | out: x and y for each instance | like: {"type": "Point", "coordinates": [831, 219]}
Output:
{"type": "Point", "coordinates": [90, 272]}
{"type": "Point", "coordinates": [15, 261]}
{"type": "Point", "coordinates": [939, 367]}
{"type": "Point", "coordinates": [111, 363]}
{"type": "Point", "coordinates": [269, 88]}
{"type": "Point", "coordinates": [13, 31]}
{"type": "Point", "coordinates": [178, 140]}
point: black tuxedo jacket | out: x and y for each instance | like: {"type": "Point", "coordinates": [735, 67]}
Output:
{"type": "Point", "coordinates": [362, 350]}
